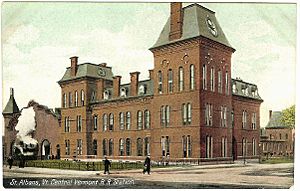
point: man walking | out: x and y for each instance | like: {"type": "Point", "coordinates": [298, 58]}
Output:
{"type": "Point", "coordinates": [147, 164]}
{"type": "Point", "coordinates": [107, 164]}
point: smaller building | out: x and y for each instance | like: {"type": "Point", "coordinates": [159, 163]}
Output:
{"type": "Point", "coordinates": [276, 138]}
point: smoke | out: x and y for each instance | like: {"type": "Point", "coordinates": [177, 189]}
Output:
{"type": "Point", "coordinates": [26, 126]}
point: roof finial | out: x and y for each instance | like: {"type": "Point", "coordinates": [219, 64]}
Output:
{"type": "Point", "coordinates": [12, 92]}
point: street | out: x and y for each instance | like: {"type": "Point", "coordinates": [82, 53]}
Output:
{"type": "Point", "coordinates": [208, 176]}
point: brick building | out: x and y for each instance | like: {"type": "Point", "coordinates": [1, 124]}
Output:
{"type": "Point", "coordinates": [276, 138]}
{"type": "Point", "coordinates": [189, 109]}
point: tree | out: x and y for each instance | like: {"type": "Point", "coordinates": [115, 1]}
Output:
{"type": "Point", "coordinates": [288, 116]}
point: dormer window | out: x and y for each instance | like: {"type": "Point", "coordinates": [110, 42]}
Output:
{"type": "Point", "coordinates": [142, 90]}
{"type": "Point", "coordinates": [93, 98]}
{"type": "Point", "coordinates": [106, 94]}
{"type": "Point", "coordinates": [123, 92]}
{"type": "Point", "coordinates": [234, 89]}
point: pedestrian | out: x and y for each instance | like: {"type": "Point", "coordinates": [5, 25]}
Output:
{"type": "Point", "coordinates": [107, 164]}
{"type": "Point", "coordinates": [10, 161]}
{"type": "Point", "coordinates": [147, 164]}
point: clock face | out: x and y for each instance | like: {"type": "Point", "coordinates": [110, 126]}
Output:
{"type": "Point", "coordinates": [211, 27]}
{"type": "Point", "coordinates": [101, 72]}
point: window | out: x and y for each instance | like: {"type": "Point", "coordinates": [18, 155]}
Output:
{"type": "Point", "coordinates": [186, 113]}
{"type": "Point", "coordinates": [212, 79]}
{"type": "Point", "coordinates": [142, 90]}
{"type": "Point", "coordinates": [244, 147]}
{"type": "Point", "coordinates": [106, 95]}
{"type": "Point", "coordinates": [208, 114]}
{"type": "Point", "coordinates": [128, 147]}
{"type": "Point", "coordinates": [147, 119]}
{"type": "Point", "coordinates": [64, 100]}
{"type": "Point", "coordinates": [111, 121]}
{"type": "Point", "coordinates": [124, 92]}
{"type": "Point", "coordinates": [160, 86]}
{"type": "Point", "coordinates": [104, 122]}
{"type": "Point", "coordinates": [93, 97]}
{"type": "Point", "coordinates": [244, 120]}
{"type": "Point", "coordinates": [82, 97]}
{"type": "Point", "coordinates": [139, 145]}
{"type": "Point", "coordinates": [76, 99]}
{"type": "Point", "coordinates": [67, 124]}
{"type": "Point", "coordinates": [254, 147]}
{"type": "Point", "coordinates": [223, 116]}
{"type": "Point", "coordinates": [95, 122]}
{"type": "Point", "coordinates": [224, 147]}
{"type": "Point", "coordinates": [227, 83]}
{"type": "Point", "coordinates": [95, 147]}
{"type": "Point", "coordinates": [111, 147]}
{"type": "Point", "coordinates": [67, 143]}
{"type": "Point", "coordinates": [209, 146]}
{"type": "Point", "coordinates": [70, 99]}
{"type": "Point", "coordinates": [204, 74]}
{"type": "Point", "coordinates": [139, 120]}
{"type": "Point", "coordinates": [253, 121]}
{"type": "Point", "coordinates": [232, 118]}
{"type": "Point", "coordinates": [147, 146]}
{"type": "Point", "coordinates": [280, 136]}
{"type": "Point", "coordinates": [104, 147]}
{"type": "Point", "coordinates": [165, 115]}
{"type": "Point", "coordinates": [128, 118]}
{"type": "Point", "coordinates": [186, 146]}
{"type": "Point", "coordinates": [234, 89]}
{"type": "Point", "coordinates": [165, 145]}
{"type": "Point", "coordinates": [79, 123]}
{"type": "Point", "coordinates": [121, 147]}
{"type": "Point", "coordinates": [192, 77]}
{"type": "Point", "coordinates": [121, 120]}
{"type": "Point", "coordinates": [79, 146]}
{"type": "Point", "coordinates": [170, 81]}
{"type": "Point", "coordinates": [219, 81]}
{"type": "Point", "coordinates": [181, 79]}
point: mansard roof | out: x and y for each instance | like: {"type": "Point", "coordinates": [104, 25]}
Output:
{"type": "Point", "coordinates": [244, 89]}
{"type": "Point", "coordinates": [88, 70]}
{"type": "Point", "coordinates": [194, 25]}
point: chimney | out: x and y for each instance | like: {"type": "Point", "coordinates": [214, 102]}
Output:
{"type": "Point", "coordinates": [100, 88]}
{"type": "Point", "coordinates": [176, 21]}
{"type": "Point", "coordinates": [151, 74]}
{"type": "Point", "coordinates": [116, 86]}
{"type": "Point", "coordinates": [74, 62]}
{"type": "Point", "coordinates": [12, 92]}
{"type": "Point", "coordinates": [134, 80]}
{"type": "Point", "coordinates": [270, 114]}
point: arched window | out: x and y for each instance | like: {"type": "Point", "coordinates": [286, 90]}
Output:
{"type": "Point", "coordinates": [67, 144]}
{"type": "Point", "coordinates": [160, 82]}
{"type": "Point", "coordinates": [121, 120]}
{"type": "Point", "coordinates": [170, 81]}
{"type": "Point", "coordinates": [121, 147]}
{"type": "Point", "coordinates": [227, 83]}
{"type": "Point", "coordinates": [234, 89]}
{"type": "Point", "coordinates": [254, 147]}
{"type": "Point", "coordinates": [147, 119]}
{"type": "Point", "coordinates": [139, 145]}
{"type": "Point", "coordinates": [224, 147]}
{"type": "Point", "coordinates": [104, 122]}
{"type": "Point", "coordinates": [220, 81]}
{"type": "Point", "coordinates": [123, 92]}
{"type": "Point", "coordinates": [104, 147]}
{"type": "Point", "coordinates": [192, 77]}
{"type": "Point", "coordinates": [147, 146]}
{"type": "Point", "coordinates": [212, 79]}
{"type": "Point", "coordinates": [189, 113]}
{"type": "Point", "coordinates": [76, 99]}
{"type": "Point", "coordinates": [70, 99]}
{"type": "Point", "coordinates": [111, 147]}
{"type": "Point", "coordinates": [184, 113]}
{"type": "Point", "coordinates": [82, 98]}
{"type": "Point", "coordinates": [95, 147]}
{"type": "Point", "coordinates": [204, 77]}
{"type": "Point", "coordinates": [244, 147]}
{"type": "Point", "coordinates": [95, 122]}
{"type": "Point", "coordinates": [167, 115]}
{"type": "Point", "coordinates": [209, 146]}
{"type": "Point", "coordinates": [128, 147]}
{"type": "Point", "coordinates": [111, 121]}
{"type": "Point", "coordinates": [181, 79]}
{"type": "Point", "coordinates": [106, 94]}
{"type": "Point", "coordinates": [128, 120]}
{"type": "Point", "coordinates": [139, 120]}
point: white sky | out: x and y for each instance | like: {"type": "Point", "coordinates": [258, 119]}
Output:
{"type": "Point", "coordinates": [39, 38]}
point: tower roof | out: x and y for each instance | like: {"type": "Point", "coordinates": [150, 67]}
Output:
{"type": "Point", "coordinates": [11, 106]}
{"type": "Point", "coordinates": [197, 21]}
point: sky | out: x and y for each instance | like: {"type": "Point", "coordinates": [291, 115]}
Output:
{"type": "Point", "coordinates": [38, 38]}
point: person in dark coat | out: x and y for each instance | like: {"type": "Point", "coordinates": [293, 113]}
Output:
{"type": "Point", "coordinates": [10, 161]}
{"type": "Point", "coordinates": [147, 165]}
{"type": "Point", "coordinates": [107, 164]}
